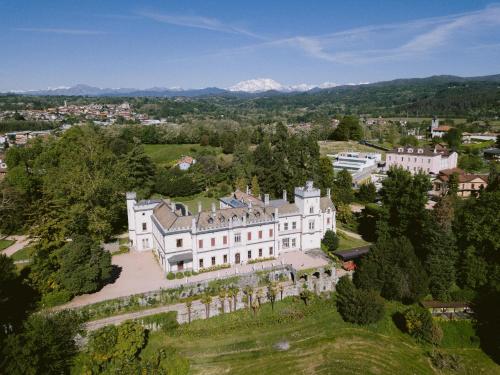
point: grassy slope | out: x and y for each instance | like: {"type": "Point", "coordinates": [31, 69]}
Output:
{"type": "Point", "coordinates": [166, 154]}
{"type": "Point", "coordinates": [22, 254]}
{"type": "Point", "coordinates": [334, 147]}
{"type": "Point", "coordinates": [5, 244]}
{"type": "Point", "coordinates": [320, 343]}
{"type": "Point", "coordinates": [347, 242]}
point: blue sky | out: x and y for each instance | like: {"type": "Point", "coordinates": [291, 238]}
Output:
{"type": "Point", "coordinates": [219, 43]}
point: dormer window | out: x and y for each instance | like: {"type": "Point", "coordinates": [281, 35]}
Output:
{"type": "Point", "coordinates": [401, 149]}
{"type": "Point", "coordinates": [210, 220]}
{"type": "Point", "coordinates": [410, 150]}
{"type": "Point", "coordinates": [222, 219]}
{"type": "Point", "coordinates": [420, 151]}
{"type": "Point", "coordinates": [257, 214]}
{"type": "Point", "coordinates": [235, 217]}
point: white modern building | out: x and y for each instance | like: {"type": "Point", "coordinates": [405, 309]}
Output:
{"type": "Point", "coordinates": [415, 159]}
{"type": "Point", "coordinates": [355, 161]}
{"type": "Point", "coordinates": [359, 164]}
{"type": "Point", "coordinates": [243, 228]}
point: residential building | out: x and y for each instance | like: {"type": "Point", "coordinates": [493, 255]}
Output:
{"type": "Point", "coordinates": [492, 153]}
{"type": "Point", "coordinates": [185, 163]}
{"type": "Point", "coordinates": [468, 184]}
{"type": "Point", "coordinates": [438, 130]}
{"type": "Point", "coordinates": [415, 159]}
{"type": "Point", "coordinates": [243, 229]}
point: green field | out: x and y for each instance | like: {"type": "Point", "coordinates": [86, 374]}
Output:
{"type": "Point", "coordinates": [166, 154]}
{"type": "Point", "coordinates": [318, 341]}
{"type": "Point", "coordinates": [5, 244]}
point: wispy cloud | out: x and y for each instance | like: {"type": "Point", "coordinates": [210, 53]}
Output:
{"type": "Point", "coordinates": [59, 31]}
{"type": "Point", "coordinates": [199, 22]}
{"type": "Point", "coordinates": [414, 38]}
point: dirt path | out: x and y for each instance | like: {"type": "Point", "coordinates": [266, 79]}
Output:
{"type": "Point", "coordinates": [21, 242]}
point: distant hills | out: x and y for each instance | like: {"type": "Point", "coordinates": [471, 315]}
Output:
{"type": "Point", "coordinates": [264, 87]}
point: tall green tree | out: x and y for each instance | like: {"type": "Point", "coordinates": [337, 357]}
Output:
{"type": "Point", "coordinates": [45, 346]}
{"type": "Point", "coordinates": [392, 268]}
{"type": "Point", "coordinates": [326, 176]}
{"type": "Point", "coordinates": [84, 266]}
{"type": "Point", "coordinates": [139, 172]}
{"type": "Point", "coordinates": [342, 189]}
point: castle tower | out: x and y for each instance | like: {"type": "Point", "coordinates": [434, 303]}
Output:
{"type": "Point", "coordinates": [131, 202]}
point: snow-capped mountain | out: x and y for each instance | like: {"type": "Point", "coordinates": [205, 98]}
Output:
{"type": "Point", "coordinates": [252, 86]}
{"type": "Point", "coordinates": [268, 84]}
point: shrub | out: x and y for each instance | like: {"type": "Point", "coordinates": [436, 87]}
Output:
{"type": "Point", "coordinates": [179, 275]}
{"type": "Point", "coordinates": [167, 321]}
{"type": "Point", "coordinates": [170, 276]}
{"type": "Point", "coordinates": [187, 273]}
{"type": "Point", "coordinates": [418, 323]}
{"type": "Point", "coordinates": [445, 361]}
{"type": "Point", "coordinates": [330, 240]}
{"type": "Point", "coordinates": [56, 298]}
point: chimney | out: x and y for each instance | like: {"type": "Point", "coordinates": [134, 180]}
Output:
{"type": "Point", "coordinates": [266, 199]}
{"type": "Point", "coordinates": [284, 195]}
{"type": "Point", "coordinates": [199, 207]}
{"type": "Point", "coordinates": [248, 190]}
{"type": "Point", "coordinates": [250, 207]}
{"type": "Point", "coordinates": [193, 225]}
{"type": "Point", "coordinates": [328, 193]}
{"type": "Point", "coordinates": [213, 209]}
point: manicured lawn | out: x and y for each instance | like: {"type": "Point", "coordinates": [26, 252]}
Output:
{"type": "Point", "coordinates": [318, 342]}
{"type": "Point", "coordinates": [346, 242]}
{"type": "Point", "coordinates": [166, 154]}
{"type": "Point", "coordinates": [22, 254]}
{"type": "Point", "coordinates": [192, 202]}
{"type": "Point", "coordinates": [5, 244]}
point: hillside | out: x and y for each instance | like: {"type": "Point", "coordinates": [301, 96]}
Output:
{"type": "Point", "coordinates": [312, 340]}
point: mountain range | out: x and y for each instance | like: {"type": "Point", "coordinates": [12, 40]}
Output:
{"type": "Point", "coordinates": [253, 87]}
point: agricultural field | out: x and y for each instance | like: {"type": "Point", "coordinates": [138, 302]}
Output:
{"type": "Point", "coordinates": [299, 339]}
{"type": "Point", "coordinates": [334, 147]}
{"type": "Point", "coordinates": [166, 154]}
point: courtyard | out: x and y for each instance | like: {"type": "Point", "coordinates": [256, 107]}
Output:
{"type": "Point", "coordinates": [139, 272]}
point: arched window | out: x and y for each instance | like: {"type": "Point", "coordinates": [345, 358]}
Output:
{"type": "Point", "coordinates": [311, 210]}
{"type": "Point", "coordinates": [210, 220]}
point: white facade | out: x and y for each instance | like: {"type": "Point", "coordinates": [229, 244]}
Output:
{"type": "Point", "coordinates": [243, 229]}
{"type": "Point", "coordinates": [419, 159]}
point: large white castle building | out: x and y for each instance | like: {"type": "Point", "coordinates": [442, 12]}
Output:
{"type": "Point", "coordinates": [243, 228]}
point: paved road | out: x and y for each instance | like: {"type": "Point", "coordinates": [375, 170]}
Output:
{"type": "Point", "coordinates": [96, 324]}
{"type": "Point", "coordinates": [21, 242]}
